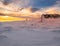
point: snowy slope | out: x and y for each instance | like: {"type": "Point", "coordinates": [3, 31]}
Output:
{"type": "Point", "coordinates": [30, 33]}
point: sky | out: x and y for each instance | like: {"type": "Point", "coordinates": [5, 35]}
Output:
{"type": "Point", "coordinates": [30, 3]}
{"type": "Point", "coordinates": [43, 3]}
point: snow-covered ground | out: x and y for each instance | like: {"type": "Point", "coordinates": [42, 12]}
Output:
{"type": "Point", "coordinates": [30, 33]}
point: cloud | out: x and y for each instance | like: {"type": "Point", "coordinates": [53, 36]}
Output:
{"type": "Point", "coordinates": [27, 6]}
{"type": "Point", "coordinates": [20, 3]}
{"type": "Point", "coordinates": [54, 9]}
{"type": "Point", "coordinates": [15, 4]}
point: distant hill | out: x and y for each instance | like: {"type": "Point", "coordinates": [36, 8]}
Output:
{"type": "Point", "coordinates": [51, 15]}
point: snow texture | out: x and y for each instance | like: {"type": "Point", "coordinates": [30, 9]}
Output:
{"type": "Point", "coordinates": [30, 33]}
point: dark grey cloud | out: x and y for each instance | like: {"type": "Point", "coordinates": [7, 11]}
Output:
{"type": "Point", "coordinates": [6, 2]}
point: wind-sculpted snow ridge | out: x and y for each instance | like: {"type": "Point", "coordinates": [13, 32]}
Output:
{"type": "Point", "coordinates": [32, 25]}
{"type": "Point", "coordinates": [50, 24]}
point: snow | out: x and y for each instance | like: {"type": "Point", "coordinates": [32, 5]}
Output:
{"type": "Point", "coordinates": [30, 33]}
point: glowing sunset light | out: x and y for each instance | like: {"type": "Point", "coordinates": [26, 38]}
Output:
{"type": "Point", "coordinates": [5, 16]}
{"type": "Point", "coordinates": [10, 19]}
